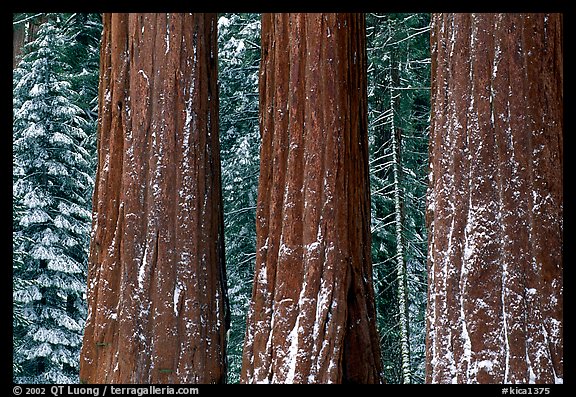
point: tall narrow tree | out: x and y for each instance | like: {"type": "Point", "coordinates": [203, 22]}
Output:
{"type": "Point", "coordinates": [52, 186]}
{"type": "Point", "coordinates": [398, 47]}
{"type": "Point", "coordinates": [157, 308]}
{"type": "Point", "coordinates": [495, 199]}
{"type": "Point", "coordinates": [312, 316]}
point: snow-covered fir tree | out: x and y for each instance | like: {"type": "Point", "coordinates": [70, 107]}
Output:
{"type": "Point", "coordinates": [52, 193]}
{"type": "Point", "coordinates": [19, 321]}
{"type": "Point", "coordinates": [83, 32]}
{"type": "Point", "coordinates": [239, 57]}
{"type": "Point", "coordinates": [398, 114]}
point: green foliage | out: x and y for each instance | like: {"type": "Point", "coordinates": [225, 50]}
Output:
{"type": "Point", "coordinates": [52, 184]}
{"type": "Point", "coordinates": [55, 91]}
{"type": "Point", "coordinates": [238, 62]}
{"type": "Point", "coordinates": [398, 56]}
{"type": "Point", "coordinates": [83, 32]}
{"type": "Point", "coordinates": [405, 36]}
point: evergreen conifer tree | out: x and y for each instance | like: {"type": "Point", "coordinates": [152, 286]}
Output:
{"type": "Point", "coordinates": [239, 58]}
{"type": "Point", "coordinates": [398, 114]}
{"type": "Point", "coordinates": [83, 33]}
{"type": "Point", "coordinates": [52, 193]}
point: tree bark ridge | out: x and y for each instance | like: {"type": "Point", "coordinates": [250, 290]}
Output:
{"type": "Point", "coordinates": [156, 283]}
{"type": "Point", "coordinates": [495, 199]}
{"type": "Point", "coordinates": [312, 316]}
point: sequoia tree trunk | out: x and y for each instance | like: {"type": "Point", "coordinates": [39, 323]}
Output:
{"type": "Point", "coordinates": [157, 308]}
{"type": "Point", "coordinates": [18, 40]}
{"type": "Point", "coordinates": [24, 33]}
{"type": "Point", "coordinates": [312, 316]}
{"type": "Point", "coordinates": [495, 200]}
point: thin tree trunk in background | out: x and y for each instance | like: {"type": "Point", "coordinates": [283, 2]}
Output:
{"type": "Point", "coordinates": [396, 138]}
{"type": "Point", "coordinates": [312, 316]}
{"type": "Point", "coordinates": [495, 200]}
{"type": "Point", "coordinates": [157, 307]}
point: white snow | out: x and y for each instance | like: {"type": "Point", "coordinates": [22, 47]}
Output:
{"type": "Point", "coordinates": [240, 47]}
{"type": "Point", "coordinates": [36, 198]}
{"type": "Point", "coordinates": [177, 290]}
{"type": "Point", "coordinates": [467, 344]}
{"type": "Point", "coordinates": [532, 379]}
{"type": "Point", "coordinates": [505, 322]}
{"type": "Point", "coordinates": [452, 38]}
{"type": "Point", "coordinates": [531, 291]}
{"type": "Point", "coordinates": [285, 300]}
{"type": "Point", "coordinates": [33, 131]}
{"type": "Point", "coordinates": [558, 380]}
{"type": "Point", "coordinates": [144, 75]}
{"type": "Point", "coordinates": [167, 38]}
{"type": "Point", "coordinates": [284, 251]}
{"type": "Point", "coordinates": [265, 246]}
{"type": "Point", "coordinates": [107, 96]}
{"type": "Point", "coordinates": [142, 270]}
{"type": "Point", "coordinates": [262, 279]}
{"type": "Point", "coordinates": [223, 22]}
{"type": "Point", "coordinates": [293, 351]}
{"type": "Point", "coordinates": [33, 217]}
{"type": "Point", "coordinates": [310, 248]}
{"type": "Point", "coordinates": [37, 89]}
{"type": "Point", "coordinates": [487, 365]}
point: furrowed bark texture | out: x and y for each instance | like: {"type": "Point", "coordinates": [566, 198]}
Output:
{"type": "Point", "coordinates": [156, 283]}
{"type": "Point", "coordinates": [312, 316]}
{"type": "Point", "coordinates": [495, 201]}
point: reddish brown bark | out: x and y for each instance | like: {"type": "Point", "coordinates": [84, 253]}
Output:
{"type": "Point", "coordinates": [312, 316]}
{"type": "Point", "coordinates": [18, 34]}
{"type": "Point", "coordinates": [495, 200]}
{"type": "Point", "coordinates": [156, 284]}
{"type": "Point", "coordinates": [24, 33]}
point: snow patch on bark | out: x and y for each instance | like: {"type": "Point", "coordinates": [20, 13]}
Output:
{"type": "Point", "coordinates": [167, 37]}
{"type": "Point", "coordinates": [284, 251]}
{"type": "Point", "coordinates": [177, 291]}
{"type": "Point", "coordinates": [293, 351]}
{"type": "Point", "coordinates": [262, 278]}
{"type": "Point", "coordinates": [505, 322]}
{"type": "Point", "coordinates": [142, 270]}
{"type": "Point", "coordinates": [486, 365]}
